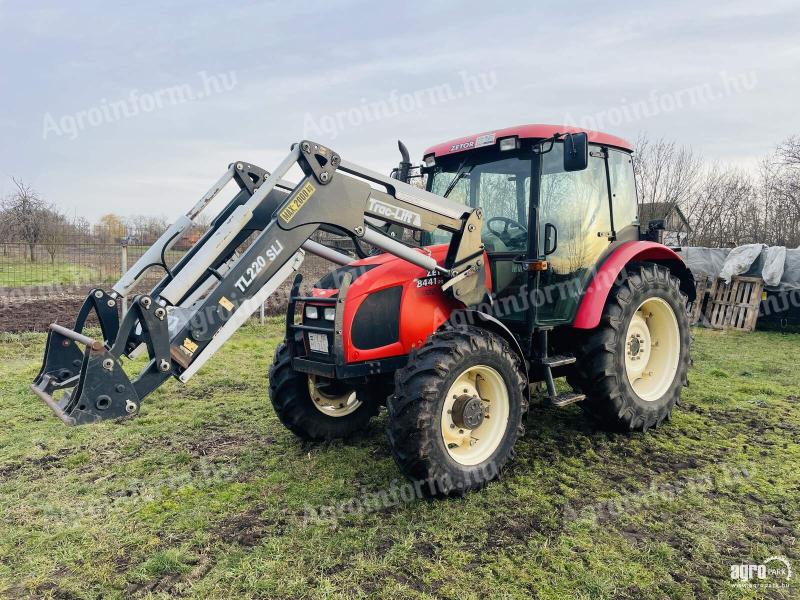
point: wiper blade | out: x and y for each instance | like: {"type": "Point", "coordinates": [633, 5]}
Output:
{"type": "Point", "coordinates": [459, 174]}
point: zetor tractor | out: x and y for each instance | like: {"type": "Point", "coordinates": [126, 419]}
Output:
{"type": "Point", "coordinates": [521, 261]}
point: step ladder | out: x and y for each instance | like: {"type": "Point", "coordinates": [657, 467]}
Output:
{"type": "Point", "coordinates": [547, 363]}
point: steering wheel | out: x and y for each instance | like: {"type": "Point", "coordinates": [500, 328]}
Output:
{"type": "Point", "coordinates": [505, 235]}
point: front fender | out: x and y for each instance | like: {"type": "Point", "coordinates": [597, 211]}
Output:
{"type": "Point", "coordinates": [477, 318]}
{"type": "Point", "coordinates": [596, 294]}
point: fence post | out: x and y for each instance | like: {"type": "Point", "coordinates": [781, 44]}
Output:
{"type": "Point", "coordinates": [262, 312]}
{"type": "Point", "coordinates": [124, 269]}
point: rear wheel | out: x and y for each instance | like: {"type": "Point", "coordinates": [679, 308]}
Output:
{"type": "Point", "coordinates": [457, 411]}
{"type": "Point", "coordinates": [633, 366]}
{"type": "Point", "coordinates": [316, 408]}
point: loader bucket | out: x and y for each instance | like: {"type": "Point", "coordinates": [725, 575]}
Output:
{"type": "Point", "coordinates": [92, 383]}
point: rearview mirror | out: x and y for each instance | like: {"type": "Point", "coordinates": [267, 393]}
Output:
{"type": "Point", "coordinates": [576, 151]}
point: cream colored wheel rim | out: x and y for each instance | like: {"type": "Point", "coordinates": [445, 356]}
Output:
{"type": "Point", "coordinates": [652, 349]}
{"type": "Point", "coordinates": [331, 405]}
{"type": "Point", "coordinates": [473, 446]}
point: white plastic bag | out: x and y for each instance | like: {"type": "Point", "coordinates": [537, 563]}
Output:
{"type": "Point", "coordinates": [774, 263]}
{"type": "Point", "coordinates": [739, 260]}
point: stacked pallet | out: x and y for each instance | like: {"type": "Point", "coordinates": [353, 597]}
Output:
{"type": "Point", "coordinates": [731, 305]}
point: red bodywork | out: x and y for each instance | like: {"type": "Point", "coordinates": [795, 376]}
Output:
{"type": "Point", "coordinates": [489, 138]}
{"type": "Point", "coordinates": [422, 309]}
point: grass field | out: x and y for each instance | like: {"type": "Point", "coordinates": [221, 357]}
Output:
{"type": "Point", "coordinates": [206, 495]}
{"type": "Point", "coordinates": [22, 273]}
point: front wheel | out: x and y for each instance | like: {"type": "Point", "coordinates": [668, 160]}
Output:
{"type": "Point", "coordinates": [457, 411]}
{"type": "Point", "coordinates": [633, 366]}
{"type": "Point", "coordinates": [315, 408]}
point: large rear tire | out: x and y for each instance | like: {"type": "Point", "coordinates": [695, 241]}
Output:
{"type": "Point", "coordinates": [457, 411]}
{"type": "Point", "coordinates": [316, 409]}
{"type": "Point", "coordinates": [633, 366]}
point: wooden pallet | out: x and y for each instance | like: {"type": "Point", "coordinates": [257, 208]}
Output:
{"type": "Point", "coordinates": [695, 309]}
{"type": "Point", "coordinates": [734, 305]}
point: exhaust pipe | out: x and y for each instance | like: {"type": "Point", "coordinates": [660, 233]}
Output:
{"type": "Point", "coordinates": [404, 167]}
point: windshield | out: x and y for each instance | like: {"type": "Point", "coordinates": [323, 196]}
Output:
{"type": "Point", "coordinates": [497, 182]}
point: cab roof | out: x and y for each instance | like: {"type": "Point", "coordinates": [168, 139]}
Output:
{"type": "Point", "coordinates": [533, 131]}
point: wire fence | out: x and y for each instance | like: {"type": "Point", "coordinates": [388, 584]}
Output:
{"type": "Point", "coordinates": [97, 256]}
{"type": "Point", "coordinates": [46, 280]}
{"type": "Point", "coordinates": [73, 255]}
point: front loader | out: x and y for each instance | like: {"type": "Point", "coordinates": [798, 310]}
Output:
{"type": "Point", "coordinates": [522, 261]}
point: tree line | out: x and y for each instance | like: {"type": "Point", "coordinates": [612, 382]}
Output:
{"type": "Point", "coordinates": [29, 220]}
{"type": "Point", "coordinates": [725, 206]}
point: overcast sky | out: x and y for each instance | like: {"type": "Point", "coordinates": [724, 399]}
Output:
{"type": "Point", "coordinates": [138, 108]}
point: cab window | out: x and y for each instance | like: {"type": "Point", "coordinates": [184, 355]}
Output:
{"type": "Point", "coordinates": [501, 187]}
{"type": "Point", "coordinates": [623, 189]}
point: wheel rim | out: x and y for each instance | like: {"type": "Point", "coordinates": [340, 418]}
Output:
{"type": "Point", "coordinates": [333, 405]}
{"type": "Point", "coordinates": [652, 349]}
{"type": "Point", "coordinates": [473, 446]}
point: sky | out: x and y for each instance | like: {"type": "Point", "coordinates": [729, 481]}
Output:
{"type": "Point", "coordinates": [138, 108]}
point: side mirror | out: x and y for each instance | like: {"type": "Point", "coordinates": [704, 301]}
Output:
{"type": "Point", "coordinates": [576, 151]}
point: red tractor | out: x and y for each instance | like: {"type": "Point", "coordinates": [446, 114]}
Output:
{"type": "Point", "coordinates": [521, 261]}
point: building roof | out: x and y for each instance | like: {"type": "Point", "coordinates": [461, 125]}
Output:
{"type": "Point", "coordinates": [536, 131]}
{"type": "Point", "coordinates": [652, 211]}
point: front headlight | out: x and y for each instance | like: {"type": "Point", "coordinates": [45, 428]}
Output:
{"type": "Point", "coordinates": [311, 312]}
{"type": "Point", "coordinates": [330, 314]}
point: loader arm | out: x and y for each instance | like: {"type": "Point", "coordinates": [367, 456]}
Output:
{"type": "Point", "coordinates": [202, 300]}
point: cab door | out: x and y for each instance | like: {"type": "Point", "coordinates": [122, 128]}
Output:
{"type": "Point", "coordinates": [574, 229]}
{"type": "Point", "coordinates": [504, 193]}
{"type": "Point", "coordinates": [500, 183]}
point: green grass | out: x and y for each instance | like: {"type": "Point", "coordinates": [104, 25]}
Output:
{"type": "Point", "coordinates": [22, 273]}
{"type": "Point", "coordinates": [205, 494]}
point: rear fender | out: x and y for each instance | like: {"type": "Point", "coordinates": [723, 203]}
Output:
{"type": "Point", "coordinates": [596, 294]}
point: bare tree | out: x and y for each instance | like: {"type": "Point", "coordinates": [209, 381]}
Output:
{"type": "Point", "coordinates": [780, 193]}
{"type": "Point", "coordinates": [724, 210]}
{"type": "Point", "coordinates": [203, 222]}
{"type": "Point", "coordinates": [665, 173]}
{"type": "Point", "coordinates": [6, 231]}
{"type": "Point", "coordinates": [789, 151]}
{"type": "Point", "coordinates": [23, 208]}
{"type": "Point", "coordinates": [54, 231]}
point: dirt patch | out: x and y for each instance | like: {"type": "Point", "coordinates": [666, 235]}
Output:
{"type": "Point", "coordinates": [8, 470]}
{"type": "Point", "coordinates": [46, 589]}
{"type": "Point", "coordinates": [174, 584]}
{"type": "Point", "coordinates": [223, 444]}
{"type": "Point", "coordinates": [30, 310]}
{"type": "Point", "coordinates": [46, 462]}
{"type": "Point", "coordinates": [249, 528]}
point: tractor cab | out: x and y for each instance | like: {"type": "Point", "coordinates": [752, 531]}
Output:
{"type": "Point", "coordinates": [554, 204]}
